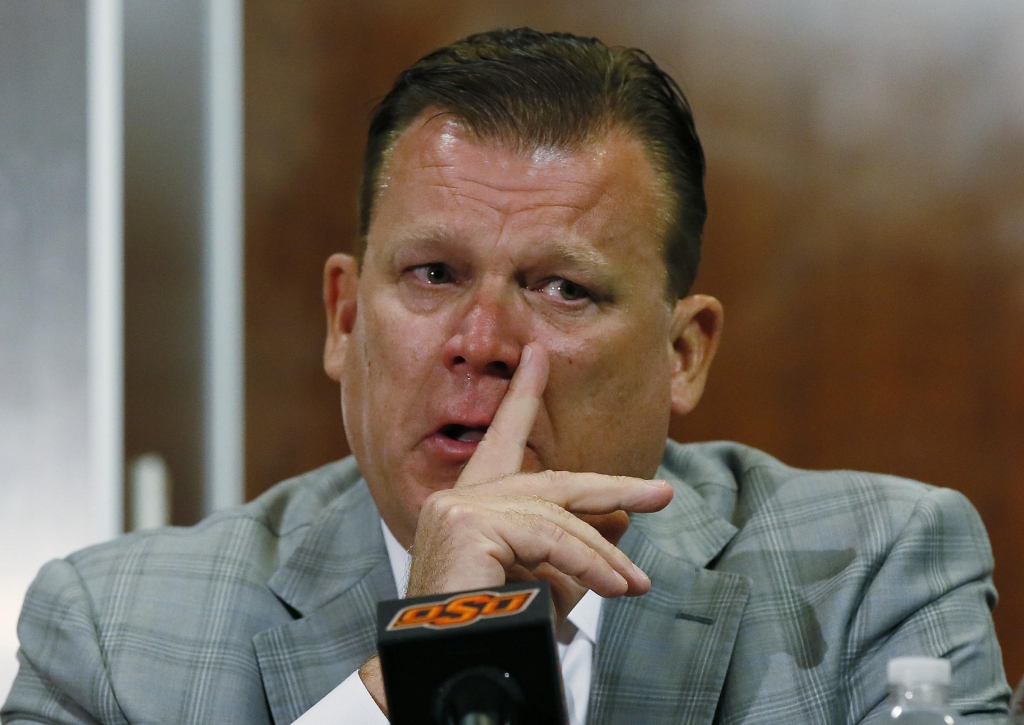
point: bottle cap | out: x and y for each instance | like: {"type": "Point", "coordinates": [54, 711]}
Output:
{"type": "Point", "coordinates": [903, 670]}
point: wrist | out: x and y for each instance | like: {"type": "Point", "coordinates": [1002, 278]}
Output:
{"type": "Point", "coordinates": [373, 680]}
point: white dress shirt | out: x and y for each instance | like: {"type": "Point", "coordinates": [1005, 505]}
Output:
{"type": "Point", "coordinates": [350, 704]}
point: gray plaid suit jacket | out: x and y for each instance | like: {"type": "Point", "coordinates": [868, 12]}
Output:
{"type": "Point", "coordinates": [778, 596]}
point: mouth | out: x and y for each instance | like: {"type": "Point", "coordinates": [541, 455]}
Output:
{"type": "Point", "coordinates": [464, 433]}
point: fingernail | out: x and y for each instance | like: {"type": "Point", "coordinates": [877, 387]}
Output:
{"type": "Point", "coordinates": [640, 573]}
{"type": "Point", "coordinates": [525, 357]}
{"type": "Point", "coordinates": [657, 483]}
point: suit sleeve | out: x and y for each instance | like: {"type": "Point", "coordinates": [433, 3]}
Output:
{"type": "Point", "coordinates": [62, 676]}
{"type": "Point", "coordinates": [932, 595]}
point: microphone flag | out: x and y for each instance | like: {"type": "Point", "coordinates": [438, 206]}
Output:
{"type": "Point", "coordinates": [485, 656]}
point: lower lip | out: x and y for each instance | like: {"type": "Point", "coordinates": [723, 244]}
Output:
{"type": "Point", "coordinates": [450, 449]}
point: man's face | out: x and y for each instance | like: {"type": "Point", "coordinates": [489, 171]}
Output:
{"type": "Point", "coordinates": [474, 251]}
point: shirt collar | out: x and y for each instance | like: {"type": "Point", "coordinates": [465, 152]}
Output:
{"type": "Point", "coordinates": [400, 560]}
{"type": "Point", "coordinates": [584, 616]}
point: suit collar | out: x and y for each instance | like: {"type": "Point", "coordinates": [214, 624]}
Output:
{"type": "Point", "coordinates": [335, 551]}
{"type": "Point", "coordinates": [332, 581]}
{"type": "Point", "coordinates": [663, 657]}
{"type": "Point", "coordinates": [692, 527]}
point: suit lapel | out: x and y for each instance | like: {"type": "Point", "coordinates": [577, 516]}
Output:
{"type": "Point", "coordinates": [332, 582]}
{"type": "Point", "coordinates": [663, 657]}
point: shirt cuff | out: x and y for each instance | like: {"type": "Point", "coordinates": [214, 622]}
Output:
{"type": "Point", "coordinates": [347, 704]}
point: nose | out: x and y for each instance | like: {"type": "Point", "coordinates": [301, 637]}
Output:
{"type": "Point", "coordinates": [486, 337]}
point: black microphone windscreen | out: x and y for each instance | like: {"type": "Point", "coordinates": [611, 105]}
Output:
{"type": "Point", "coordinates": [480, 656]}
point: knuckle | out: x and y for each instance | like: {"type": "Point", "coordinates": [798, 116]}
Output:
{"type": "Point", "coordinates": [595, 559]}
{"type": "Point", "coordinates": [458, 513]}
{"type": "Point", "coordinates": [444, 505]}
{"type": "Point", "coordinates": [539, 502]}
{"type": "Point", "coordinates": [532, 523]}
{"type": "Point", "coordinates": [540, 529]}
{"type": "Point", "coordinates": [556, 533]}
{"type": "Point", "coordinates": [558, 478]}
{"type": "Point", "coordinates": [433, 504]}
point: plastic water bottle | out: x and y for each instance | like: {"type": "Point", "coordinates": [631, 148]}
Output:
{"type": "Point", "coordinates": [917, 687]}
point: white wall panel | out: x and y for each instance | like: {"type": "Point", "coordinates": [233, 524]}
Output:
{"type": "Point", "coordinates": [225, 323]}
{"type": "Point", "coordinates": [60, 436]}
{"type": "Point", "coordinates": [183, 246]}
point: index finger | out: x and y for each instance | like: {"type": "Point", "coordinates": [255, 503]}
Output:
{"type": "Point", "coordinates": [500, 453]}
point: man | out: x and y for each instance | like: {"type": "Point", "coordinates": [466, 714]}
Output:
{"type": "Point", "coordinates": [510, 346]}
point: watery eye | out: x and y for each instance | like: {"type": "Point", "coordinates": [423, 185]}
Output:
{"type": "Point", "coordinates": [566, 289]}
{"type": "Point", "coordinates": [436, 274]}
{"type": "Point", "coordinates": [570, 290]}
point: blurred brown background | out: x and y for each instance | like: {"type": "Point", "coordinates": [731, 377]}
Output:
{"type": "Point", "coordinates": [866, 232]}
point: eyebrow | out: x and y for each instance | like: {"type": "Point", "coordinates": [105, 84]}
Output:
{"type": "Point", "coordinates": [589, 261]}
{"type": "Point", "coordinates": [433, 236]}
{"type": "Point", "coordinates": [574, 255]}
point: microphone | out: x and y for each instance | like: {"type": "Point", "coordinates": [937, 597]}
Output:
{"type": "Point", "coordinates": [482, 657]}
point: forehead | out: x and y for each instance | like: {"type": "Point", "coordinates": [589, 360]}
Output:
{"type": "Point", "coordinates": [606, 182]}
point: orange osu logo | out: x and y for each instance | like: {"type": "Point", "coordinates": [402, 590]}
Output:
{"type": "Point", "coordinates": [462, 609]}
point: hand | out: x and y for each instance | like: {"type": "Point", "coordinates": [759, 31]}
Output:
{"type": "Point", "coordinates": [498, 524]}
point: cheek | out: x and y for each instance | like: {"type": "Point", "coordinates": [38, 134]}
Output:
{"type": "Point", "coordinates": [608, 399]}
{"type": "Point", "coordinates": [623, 357]}
{"type": "Point", "coordinates": [354, 379]}
{"type": "Point", "coordinates": [599, 376]}
{"type": "Point", "coordinates": [393, 359]}
{"type": "Point", "coordinates": [397, 343]}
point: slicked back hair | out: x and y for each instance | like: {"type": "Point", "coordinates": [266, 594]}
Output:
{"type": "Point", "coordinates": [530, 90]}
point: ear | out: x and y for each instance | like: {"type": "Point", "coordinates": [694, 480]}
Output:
{"type": "Point", "coordinates": [696, 330]}
{"type": "Point", "coordinates": [341, 283]}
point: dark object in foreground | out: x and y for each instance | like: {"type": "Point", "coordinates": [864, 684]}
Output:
{"type": "Point", "coordinates": [484, 657]}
